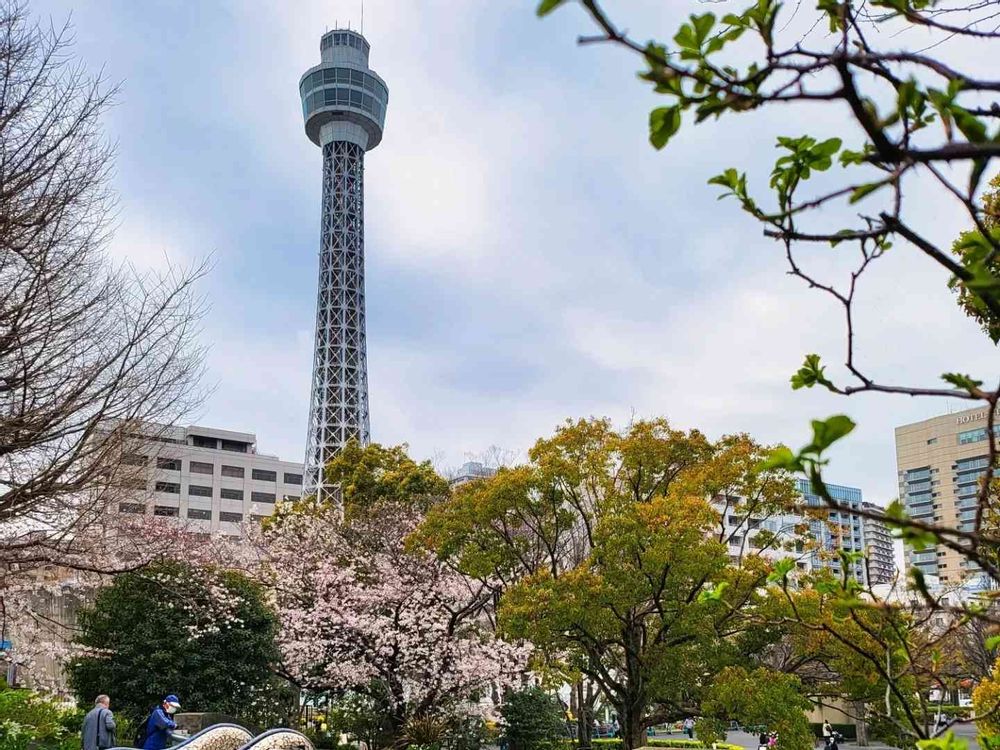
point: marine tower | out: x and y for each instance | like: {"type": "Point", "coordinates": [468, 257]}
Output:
{"type": "Point", "coordinates": [343, 103]}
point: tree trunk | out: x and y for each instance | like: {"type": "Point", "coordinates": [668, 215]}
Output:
{"type": "Point", "coordinates": [861, 726]}
{"type": "Point", "coordinates": [584, 716]}
{"type": "Point", "coordinates": [633, 730]}
{"type": "Point", "coordinates": [632, 709]}
{"type": "Point", "coordinates": [631, 713]}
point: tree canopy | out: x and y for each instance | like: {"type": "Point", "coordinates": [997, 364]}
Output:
{"type": "Point", "coordinates": [606, 553]}
{"type": "Point", "coordinates": [204, 635]}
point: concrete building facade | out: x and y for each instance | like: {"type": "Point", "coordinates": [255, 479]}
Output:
{"type": "Point", "coordinates": [212, 480]}
{"type": "Point", "coordinates": [878, 547]}
{"type": "Point", "coordinates": [940, 462]}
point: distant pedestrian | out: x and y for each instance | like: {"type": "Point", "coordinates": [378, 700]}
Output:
{"type": "Point", "coordinates": [763, 740]}
{"type": "Point", "coordinates": [616, 729]}
{"type": "Point", "coordinates": [772, 741]}
{"type": "Point", "coordinates": [689, 727]}
{"type": "Point", "coordinates": [98, 731]}
{"type": "Point", "coordinates": [159, 724]}
{"type": "Point", "coordinates": [827, 730]}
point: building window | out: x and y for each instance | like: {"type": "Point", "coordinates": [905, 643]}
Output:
{"type": "Point", "coordinates": [291, 498]}
{"type": "Point", "coordinates": [196, 490]}
{"type": "Point", "coordinates": [171, 464]}
{"type": "Point", "coordinates": [227, 494]}
{"type": "Point", "coordinates": [134, 459]}
{"type": "Point", "coordinates": [200, 514]}
{"type": "Point", "coordinates": [263, 475]}
{"type": "Point", "coordinates": [166, 510]}
{"type": "Point", "coordinates": [293, 478]}
{"type": "Point", "coordinates": [262, 497]}
{"type": "Point", "coordinates": [199, 441]}
{"type": "Point", "coordinates": [171, 487]}
{"type": "Point", "coordinates": [932, 441]}
{"type": "Point", "coordinates": [234, 445]}
{"type": "Point", "coordinates": [230, 517]}
{"type": "Point", "coordinates": [200, 467]}
{"type": "Point", "coordinates": [131, 508]}
{"type": "Point", "coordinates": [232, 471]}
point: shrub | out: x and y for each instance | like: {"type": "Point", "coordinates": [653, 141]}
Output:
{"type": "Point", "coordinates": [32, 720]}
{"type": "Point", "coordinates": [710, 730]}
{"type": "Point", "coordinates": [614, 744]}
{"type": "Point", "coordinates": [985, 698]}
{"type": "Point", "coordinates": [533, 720]}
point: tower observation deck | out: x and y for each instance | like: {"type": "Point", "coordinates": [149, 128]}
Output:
{"type": "Point", "coordinates": [343, 103]}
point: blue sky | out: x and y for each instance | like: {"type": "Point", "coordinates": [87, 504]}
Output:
{"type": "Point", "coordinates": [529, 256]}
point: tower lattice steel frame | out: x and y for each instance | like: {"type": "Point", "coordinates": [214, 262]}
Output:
{"type": "Point", "coordinates": [344, 103]}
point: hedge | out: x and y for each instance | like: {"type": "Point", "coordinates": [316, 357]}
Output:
{"type": "Point", "coordinates": [948, 710]}
{"type": "Point", "coordinates": [616, 744]}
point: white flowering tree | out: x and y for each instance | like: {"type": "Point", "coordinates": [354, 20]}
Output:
{"type": "Point", "coordinates": [359, 611]}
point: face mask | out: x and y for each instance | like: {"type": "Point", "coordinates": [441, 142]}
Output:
{"type": "Point", "coordinates": [171, 709]}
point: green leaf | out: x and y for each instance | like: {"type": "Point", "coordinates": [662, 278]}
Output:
{"type": "Point", "coordinates": [547, 6]}
{"type": "Point", "coordinates": [828, 147]}
{"type": "Point", "coordinates": [992, 642]}
{"type": "Point", "coordinates": [895, 511]}
{"type": "Point", "coordinates": [862, 190]}
{"type": "Point", "coordinates": [971, 126]}
{"type": "Point", "coordinates": [948, 741]}
{"type": "Point", "coordinates": [663, 123]}
{"type": "Point", "coordinates": [712, 593]}
{"type": "Point", "coordinates": [702, 26]}
{"type": "Point", "coordinates": [782, 458]}
{"type": "Point", "coordinates": [978, 167]}
{"type": "Point", "coordinates": [730, 179]}
{"type": "Point", "coordinates": [826, 587]}
{"type": "Point", "coordinates": [811, 373]}
{"type": "Point", "coordinates": [782, 569]}
{"type": "Point", "coordinates": [848, 157]}
{"type": "Point", "coordinates": [918, 539]}
{"type": "Point", "coordinates": [685, 37]}
{"type": "Point", "coordinates": [828, 431]}
{"type": "Point", "coordinates": [965, 382]}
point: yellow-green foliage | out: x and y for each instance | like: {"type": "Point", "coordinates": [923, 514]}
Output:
{"type": "Point", "coordinates": [985, 700]}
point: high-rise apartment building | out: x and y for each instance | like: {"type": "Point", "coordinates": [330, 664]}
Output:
{"type": "Point", "coordinates": [742, 534]}
{"type": "Point", "coordinates": [835, 531]}
{"type": "Point", "coordinates": [811, 536]}
{"type": "Point", "coordinates": [878, 547]}
{"type": "Point", "coordinates": [940, 462]}
{"type": "Point", "coordinates": [212, 480]}
{"type": "Point", "coordinates": [343, 103]}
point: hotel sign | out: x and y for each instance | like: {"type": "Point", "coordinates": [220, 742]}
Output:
{"type": "Point", "coordinates": [974, 417]}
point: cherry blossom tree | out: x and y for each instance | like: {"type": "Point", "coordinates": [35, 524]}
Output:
{"type": "Point", "coordinates": [361, 612]}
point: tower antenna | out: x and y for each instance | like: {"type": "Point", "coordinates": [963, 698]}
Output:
{"type": "Point", "coordinates": [362, 17]}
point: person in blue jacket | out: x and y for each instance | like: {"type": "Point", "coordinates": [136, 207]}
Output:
{"type": "Point", "coordinates": [159, 725]}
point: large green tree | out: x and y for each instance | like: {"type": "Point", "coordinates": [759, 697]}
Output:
{"type": "Point", "coordinates": [606, 553]}
{"type": "Point", "coordinates": [204, 635]}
